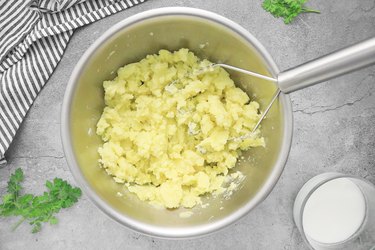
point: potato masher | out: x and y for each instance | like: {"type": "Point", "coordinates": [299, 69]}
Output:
{"type": "Point", "coordinates": [315, 71]}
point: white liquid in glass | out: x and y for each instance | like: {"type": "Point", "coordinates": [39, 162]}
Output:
{"type": "Point", "coordinates": [334, 212]}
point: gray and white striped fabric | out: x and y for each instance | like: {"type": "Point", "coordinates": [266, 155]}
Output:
{"type": "Point", "coordinates": [33, 37]}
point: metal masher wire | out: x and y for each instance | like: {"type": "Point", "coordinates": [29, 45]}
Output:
{"type": "Point", "coordinates": [274, 97]}
{"type": "Point", "coordinates": [244, 71]}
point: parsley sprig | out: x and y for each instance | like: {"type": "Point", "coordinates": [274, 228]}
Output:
{"type": "Point", "coordinates": [37, 209]}
{"type": "Point", "coordinates": [287, 9]}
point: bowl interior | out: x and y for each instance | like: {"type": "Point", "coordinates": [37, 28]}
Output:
{"type": "Point", "coordinates": [207, 39]}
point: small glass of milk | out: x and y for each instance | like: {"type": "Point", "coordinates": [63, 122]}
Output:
{"type": "Point", "coordinates": [336, 211]}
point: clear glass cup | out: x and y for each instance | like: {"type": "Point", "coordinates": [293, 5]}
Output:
{"type": "Point", "coordinates": [363, 238]}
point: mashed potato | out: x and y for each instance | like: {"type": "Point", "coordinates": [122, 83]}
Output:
{"type": "Point", "coordinates": [168, 133]}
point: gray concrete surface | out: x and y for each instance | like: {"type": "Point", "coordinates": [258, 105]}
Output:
{"type": "Point", "coordinates": [334, 131]}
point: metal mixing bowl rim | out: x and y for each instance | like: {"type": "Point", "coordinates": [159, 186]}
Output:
{"type": "Point", "coordinates": [166, 232]}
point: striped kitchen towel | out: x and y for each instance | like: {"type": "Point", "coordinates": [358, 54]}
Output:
{"type": "Point", "coordinates": [33, 37]}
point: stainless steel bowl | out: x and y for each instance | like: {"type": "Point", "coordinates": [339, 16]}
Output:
{"type": "Point", "coordinates": [210, 36]}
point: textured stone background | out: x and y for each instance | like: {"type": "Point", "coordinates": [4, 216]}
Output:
{"type": "Point", "coordinates": [333, 131]}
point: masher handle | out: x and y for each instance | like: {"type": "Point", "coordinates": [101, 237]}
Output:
{"type": "Point", "coordinates": [326, 67]}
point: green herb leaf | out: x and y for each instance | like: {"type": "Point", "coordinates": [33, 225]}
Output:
{"type": "Point", "coordinates": [287, 9]}
{"type": "Point", "coordinates": [37, 209]}
{"type": "Point", "coordinates": [53, 221]}
{"type": "Point", "coordinates": [14, 186]}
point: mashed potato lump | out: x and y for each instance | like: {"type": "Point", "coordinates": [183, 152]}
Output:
{"type": "Point", "coordinates": [168, 132]}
